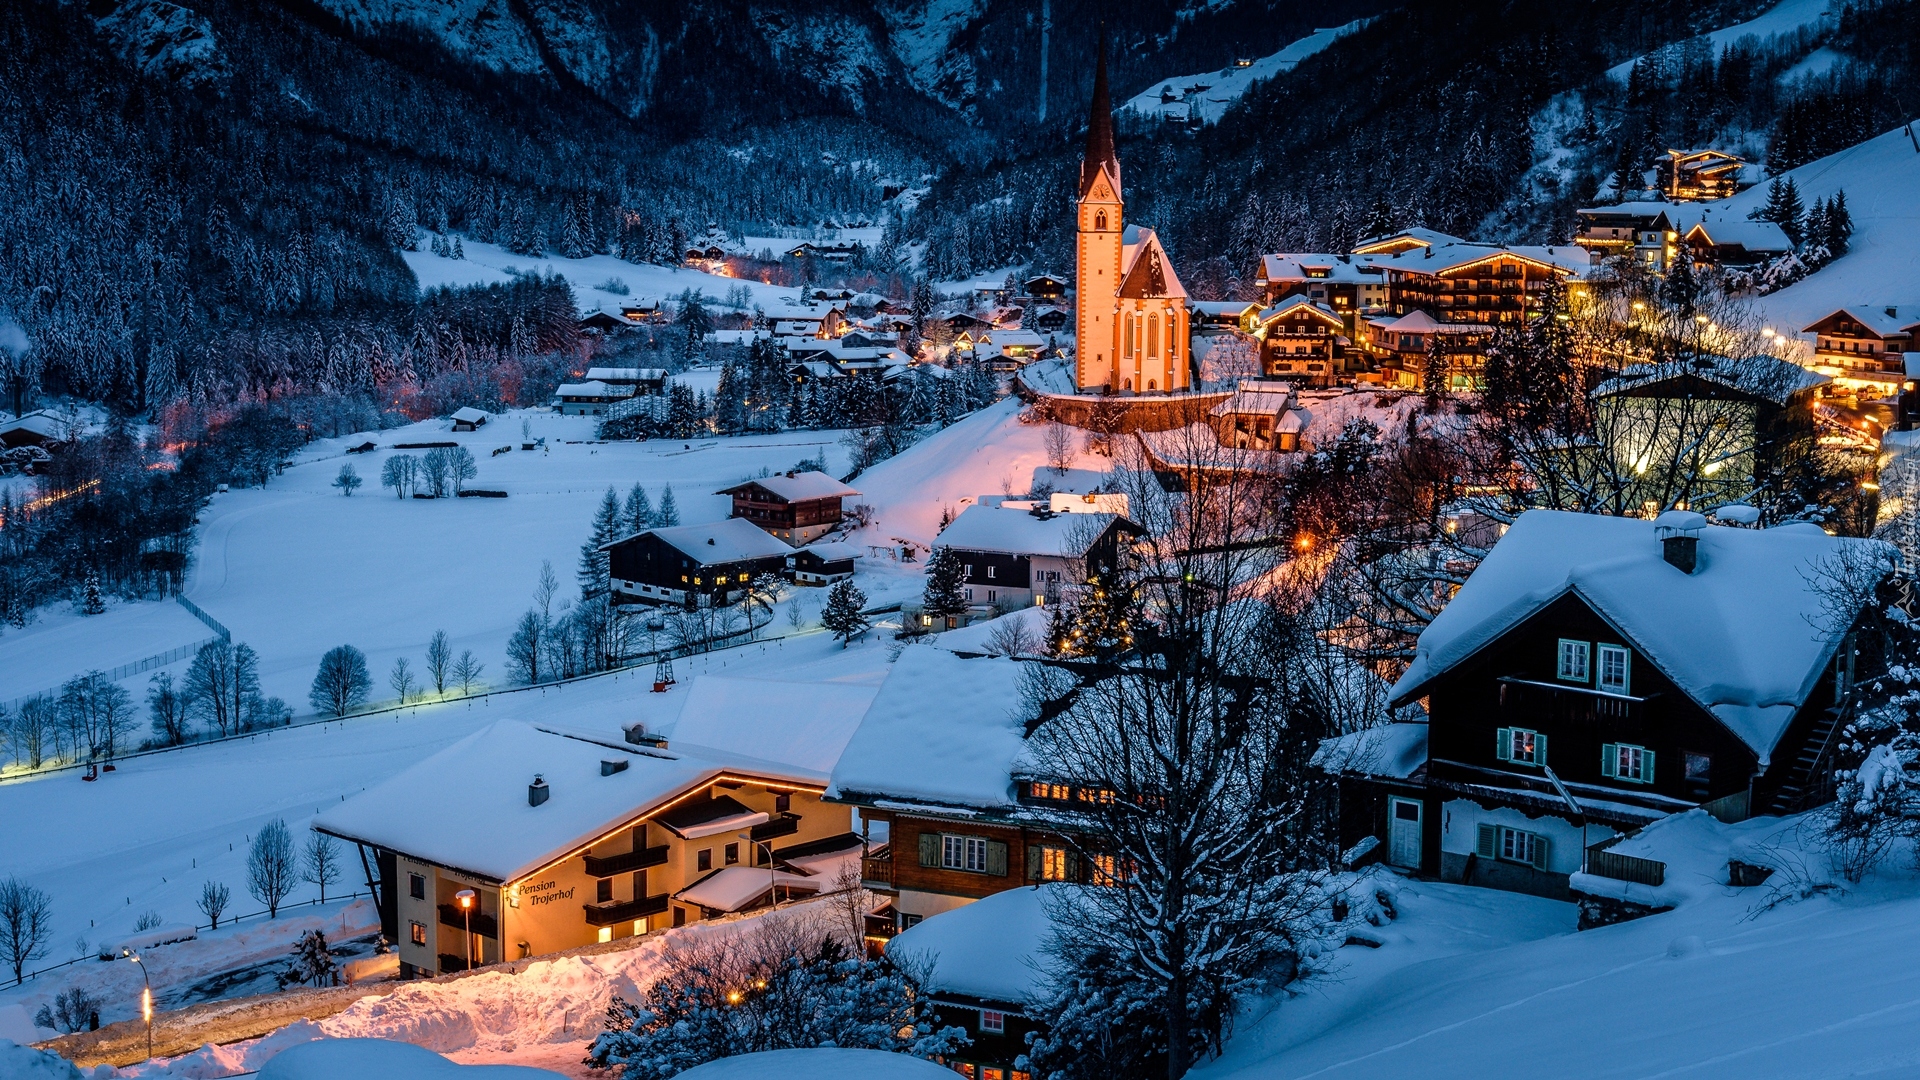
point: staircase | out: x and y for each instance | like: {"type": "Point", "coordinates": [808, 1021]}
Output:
{"type": "Point", "coordinates": [1802, 778]}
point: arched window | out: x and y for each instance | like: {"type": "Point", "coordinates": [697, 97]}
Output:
{"type": "Point", "coordinates": [1152, 385]}
{"type": "Point", "coordinates": [1153, 336]}
{"type": "Point", "coordinates": [1100, 221]}
{"type": "Point", "coordinates": [1126, 339]}
{"type": "Point", "coordinates": [1127, 385]}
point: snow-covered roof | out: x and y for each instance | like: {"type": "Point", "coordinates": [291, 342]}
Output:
{"type": "Point", "coordinates": [833, 551]}
{"type": "Point", "coordinates": [1255, 397]}
{"type": "Point", "coordinates": [592, 388]}
{"type": "Point", "coordinates": [1395, 750]}
{"type": "Point", "coordinates": [737, 887]}
{"type": "Point", "coordinates": [796, 728]}
{"type": "Point", "coordinates": [1015, 338]}
{"type": "Point", "coordinates": [991, 949]}
{"type": "Point", "coordinates": [469, 415]}
{"type": "Point", "coordinates": [797, 486]}
{"type": "Point", "coordinates": [1295, 303]}
{"type": "Point", "coordinates": [695, 819]}
{"type": "Point", "coordinates": [1749, 234]}
{"type": "Point", "coordinates": [1018, 532]}
{"type": "Point", "coordinates": [466, 806]}
{"type": "Point", "coordinates": [1643, 208]}
{"type": "Point", "coordinates": [1423, 237]}
{"type": "Point", "coordinates": [1734, 635]}
{"type": "Point", "coordinates": [1767, 377]}
{"type": "Point", "coordinates": [39, 423]}
{"type": "Point", "coordinates": [942, 731]}
{"type": "Point", "coordinates": [731, 540]}
{"type": "Point", "coordinates": [1881, 320]}
{"type": "Point", "coordinates": [626, 374]}
{"type": "Point", "coordinates": [1146, 271]}
{"type": "Point", "coordinates": [1077, 481]}
{"type": "Point", "coordinates": [1322, 266]}
{"type": "Point", "coordinates": [1222, 307]}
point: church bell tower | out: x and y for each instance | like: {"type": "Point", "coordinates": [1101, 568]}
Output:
{"type": "Point", "coordinates": [1098, 244]}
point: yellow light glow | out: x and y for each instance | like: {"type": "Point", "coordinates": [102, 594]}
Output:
{"type": "Point", "coordinates": [146, 1004]}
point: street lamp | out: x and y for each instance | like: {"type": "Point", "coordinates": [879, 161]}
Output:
{"type": "Point", "coordinates": [146, 998]}
{"type": "Point", "coordinates": [464, 898]}
{"type": "Point", "coordinates": [773, 872]}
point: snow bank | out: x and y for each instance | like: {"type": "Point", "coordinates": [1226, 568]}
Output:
{"type": "Point", "coordinates": [822, 1064]}
{"type": "Point", "coordinates": [25, 1063]}
{"type": "Point", "coordinates": [355, 1059]}
{"type": "Point", "coordinates": [988, 949]}
{"type": "Point", "coordinates": [1696, 848]}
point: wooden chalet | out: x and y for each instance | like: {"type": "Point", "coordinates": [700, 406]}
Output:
{"type": "Point", "coordinates": [589, 398]}
{"type": "Point", "coordinates": [693, 565]}
{"type": "Point", "coordinates": [1348, 284]}
{"type": "Point", "coordinates": [797, 507]}
{"type": "Point", "coordinates": [607, 322]}
{"type": "Point", "coordinates": [641, 380]}
{"type": "Point", "coordinates": [1046, 320]}
{"type": "Point", "coordinates": [1045, 287]}
{"type": "Point", "coordinates": [1026, 556]}
{"type": "Point", "coordinates": [1700, 175]}
{"type": "Point", "coordinates": [822, 563]}
{"type": "Point", "coordinates": [1400, 344]}
{"type": "Point", "coordinates": [1477, 283]}
{"type": "Point", "coordinates": [1301, 339]}
{"type": "Point", "coordinates": [1865, 347]}
{"type": "Point", "coordinates": [1595, 674]}
{"type": "Point", "coordinates": [36, 429]}
{"type": "Point", "coordinates": [469, 419]}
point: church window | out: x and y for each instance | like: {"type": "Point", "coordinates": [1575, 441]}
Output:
{"type": "Point", "coordinates": [1173, 337]}
{"type": "Point", "coordinates": [1153, 336]}
{"type": "Point", "coordinates": [1126, 333]}
{"type": "Point", "coordinates": [1100, 221]}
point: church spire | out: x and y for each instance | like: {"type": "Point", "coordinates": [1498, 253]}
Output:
{"type": "Point", "coordinates": [1100, 130]}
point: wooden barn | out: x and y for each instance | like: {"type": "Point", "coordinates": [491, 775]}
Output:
{"type": "Point", "coordinates": [797, 507]}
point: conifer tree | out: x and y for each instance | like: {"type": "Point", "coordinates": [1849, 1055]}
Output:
{"type": "Point", "coordinates": [593, 574]}
{"type": "Point", "coordinates": [946, 593]}
{"type": "Point", "coordinates": [1433, 377]}
{"type": "Point", "coordinates": [669, 513]}
{"type": "Point", "coordinates": [639, 511]}
{"type": "Point", "coordinates": [95, 605]}
{"type": "Point", "coordinates": [1839, 225]}
{"type": "Point", "coordinates": [1098, 620]}
{"type": "Point", "coordinates": [842, 615]}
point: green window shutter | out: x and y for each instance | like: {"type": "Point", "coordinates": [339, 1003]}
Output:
{"type": "Point", "coordinates": [1540, 750]}
{"type": "Point", "coordinates": [997, 858]}
{"type": "Point", "coordinates": [1610, 760]}
{"type": "Point", "coordinates": [1646, 766]}
{"type": "Point", "coordinates": [1073, 865]}
{"type": "Point", "coordinates": [1489, 841]}
{"type": "Point", "coordinates": [929, 849]}
{"type": "Point", "coordinates": [1503, 744]}
{"type": "Point", "coordinates": [1033, 862]}
{"type": "Point", "coordinates": [1542, 852]}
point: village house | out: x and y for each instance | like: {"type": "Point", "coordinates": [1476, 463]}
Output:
{"type": "Point", "coordinates": [1224, 316]}
{"type": "Point", "coordinates": [1462, 282]}
{"type": "Point", "coordinates": [1132, 333]}
{"type": "Point", "coordinates": [1698, 175]}
{"type": "Point", "coordinates": [1301, 338]}
{"type": "Point", "coordinates": [1260, 415]}
{"type": "Point", "coordinates": [1018, 557]}
{"type": "Point", "coordinates": [965, 814]}
{"type": "Point", "coordinates": [1592, 675]}
{"type": "Point", "coordinates": [1401, 344]}
{"type": "Point", "coordinates": [1348, 284]}
{"type": "Point", "coordinates": [1865, 347]}
{"type": "Point", "coordinates": [607, 322]}
{"type": "Point", "coordinates": [1044, 287]}
{"type": "Point", "coordinates": [822, 563]}
{"type": "Point", "coordinates": [469, 419]}
{"type": "Point", "coordinates": [797, 507]}
{"type": "Point", "coordinates": [1655, 233]}
{"type": "Point", "coordinates": [641, 380]}
{"type": "Point", "coordinates": [984, 964]}
{"type": "Point", "coordinates": [519, 841]}
{"type": "Point", "coordinates": [36, 429]}
{"type": "Point", "coordinates": [589, 398]}
{"type": "Point", "coordinates": [693, 565]}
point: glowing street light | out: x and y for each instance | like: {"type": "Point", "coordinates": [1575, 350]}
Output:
{"type": "Point", "coordinates": [464, 899]}
{"type": "Point", "coordinates": [773, 869]}
{"type": "Point", "coordinates": [146, 998]}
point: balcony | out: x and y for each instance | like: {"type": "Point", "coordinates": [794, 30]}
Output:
{"type": "Point", "coordinates": [1529, 702]}
{"type": "Point", "coordinates": [637, 859]}
{"type": "Point", "coordinates": [784, 825]}
{"type": "Point", "coordinates": [876, 869]}
{"type": "Point", "coordinates": [625, 910]}
{"type": "Point", "coordinates": [483, 924]}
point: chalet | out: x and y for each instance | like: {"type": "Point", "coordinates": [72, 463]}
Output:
{"type": "Point", "coordinates": [641, 380]}
{"type": "Point", "coordinates": [1655, 233]}
{"type": "Point", "coordinates": [822, 563]}
{"type": "Point", "coordinates": [1406, 240]}
{"type": "Point", "coordinates": [1594, 674]}
{"type": "Point", "coordinates": [984, 964]}
{"type": "Point", "coordinates": [1261, 415]}
{"type": "Point", "coordinates": [36, 429]}
{"type": "Point", "coordinates": [829, 323]}
{"type": "Point", "coordinates": [1045, 287]}
{"type": "Point", "coordinates": [1301, 338]}
{"type": "Point", "coordinates": [1734, 242]}
{"type": "Point", "coordinates": [645, 311]}
{"type": "Point", "coordinates": [1016, 344]}
{"type": "Point", "coordinates": [939, 761]}
{"type": "Point", "coordinates": [1046, 320]}
{"type": "Point", "coordinates": [1349, 284]}
{"type": "Point", "coordinates": [798, 507]}
{"type": "Point", "coordinates": [1699, 175]}
{"type": "Point", "coordinates": [965, 323]}
{"type": "Point", "coordinates": [1646, 231]}
{"type": "Point", "coordinates": [707, 253]}
{"type": "Point", "coordinates": [589, 398]}
{"type": "Point", "coordinates": [607, 322]}
{"type": "Point", "coordinates": [469, 419]}
{"type": "Point", "coordinates": [1017, 558]}
{"type": "Point", "coordinates": [1477, 283]}
{"type": "Point", "coordinates": [1865, 348]}
{"type": "Point", "coordinates": [567, 838]}
{"type": "Point", "coordinates": [1224, 316]}
{"type": "Point", "coordinates": [831, 252]}
{"type": "Point", "coordinates": [693, 565]}
{"type": "Point", "coordinates": [1401, 344]}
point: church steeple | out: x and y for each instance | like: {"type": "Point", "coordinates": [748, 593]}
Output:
{"type": "Point", "coordinates": [1100, 153]}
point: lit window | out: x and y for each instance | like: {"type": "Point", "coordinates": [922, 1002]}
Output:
{"type": "Point", "coordinates": [1613, 669]}
{"type": "Point", "coordinates": [992, 1021]}
{"type": "Point", "coordinates": [1053, 864]}
{"type": "Point", "coordinates": [417, 932]}
{"type": "Point", "coordinates": [606, 934]}
{"type": "Point", "coordinates": [1573, 660]}
{"type": "Point", "coordinates": [1621, 761]}
{"type": "Point", "coordinates": [1521, 746]}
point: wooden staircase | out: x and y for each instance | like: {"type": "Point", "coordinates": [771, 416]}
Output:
{"type": "Point", "coordinates": [1802, 780]}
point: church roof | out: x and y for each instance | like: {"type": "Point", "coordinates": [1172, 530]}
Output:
{"type": "Point", "coordinates": [1148, 273]}
{"type": "Point", "coordinates": [1100, 154]}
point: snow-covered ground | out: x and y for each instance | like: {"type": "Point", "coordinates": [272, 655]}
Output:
{"type": "Point", "coordinates": [491, 264]}
{"type": "Point", "coordinates": [61, 643]}
{"type": "Point", "coordinates": [1783, 18]}
{"type": "Point", "coordinates": [294, 568]}
{"type": "Point", "coordinates": [1207, 96]}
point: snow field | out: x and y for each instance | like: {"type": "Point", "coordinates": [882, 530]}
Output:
{"type": "Point", "coordinates": [490, 264]}
{"type": "Point", "coordinates": [61, 643]}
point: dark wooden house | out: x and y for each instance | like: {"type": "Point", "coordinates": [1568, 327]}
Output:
{"type": "Point", "coordinates": [797, 507]}
{"type": "Point", "coordinates": [693, 565]}
{"type": "Point", "coordinates": [1021, 557]}
{"type": "Point", "coordinates": [822, 564]}
{"type": "Point", "coordinates": [1595, 674]}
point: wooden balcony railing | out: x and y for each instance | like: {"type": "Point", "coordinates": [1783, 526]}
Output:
{"type": "Point", "coordinates": [483, 924]}
{"type": "Point", "coordinates": [784, 825]}
{"type": "Point", "coordinates": [637, 859]}
{"type": "Point", "coordinates": [1607, 864]}
{"type": "Point", "coordinates": [625, 910]}
{"type": "Point", "coordinates": [877, 869]}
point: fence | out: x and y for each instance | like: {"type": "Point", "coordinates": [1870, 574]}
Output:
{"type": "Point", "coordinates": [125, 670]}
{"type": "Point", "coordinates": [231, 921]}
{"type": "Point", "coordinates": [213, 624]}
{"type": "Point", "coordinates": [1607, 864]}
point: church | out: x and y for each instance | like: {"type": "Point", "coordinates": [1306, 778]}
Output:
{"type": "Point", "coordinates": [1130, 312]}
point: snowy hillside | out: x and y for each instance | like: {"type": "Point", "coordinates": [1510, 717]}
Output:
{"type": "Point", "coordinates": [1882, 266]}
{"type": "Point", "coordinates": [1205, 97]}
{"type": "Point", "coordinates": [488, 264]}
{"type": "Point", "coordinates": [1787, 17]}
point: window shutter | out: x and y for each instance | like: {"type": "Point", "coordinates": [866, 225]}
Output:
{"type": "Point", "coordinates": [1542, 851]}
{"type": "Point", "coordinates": [1073, 866]}
{"type": "Point", "coordinates": [997, 858]}
{"type": "Point", "coordinates": [1489, 841]}
{"type": "Point", "coordinates": [1503, 747]}
{"type": "Point", "coordinates": [1610, 760]}
{"type": "Point", "coordinates": [929, 849]}
{"type": "Point", "coordinates": [1033, 862]}
{"type": "Point", "coordinates": [1646, 766]}
{"type": "Point", "coordinates": [1540, 750]}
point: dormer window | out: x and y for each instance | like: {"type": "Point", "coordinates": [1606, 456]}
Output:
{"type": "Point", "coordinates": [1574, 657]}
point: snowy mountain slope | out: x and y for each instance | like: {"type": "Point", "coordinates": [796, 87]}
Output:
{"type": "Point", "coordinates": [922, 33]}
{"type": "Point", "coordinates": [1882, 180]}
{"type": "Point", "coordinates": [486, 31]}
{"type": "Point", "coordinates": [1789, 16]}
{"type": "Point", "coordinates": [1206, 96]}
{"type": "Point", "coordinates": [1718, 987]}
{"type": "Point", "coordinates": [488, 264]}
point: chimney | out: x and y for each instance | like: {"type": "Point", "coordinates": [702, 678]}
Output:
{"type": "Point", "coordinates": [609, 766]}
{"type": "Point", "coordinates": [537, 791]}
{"type": "Point", "coordinates": [1679, 533]}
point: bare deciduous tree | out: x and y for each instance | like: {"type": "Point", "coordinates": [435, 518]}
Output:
{"type": "Point", "coordinates": [271, 869]}
{"type": "Point", "coordinates": [26, 925]}
{"type": "Point", "coordinates": [213, 902]}
{"type": "Point", "coordinates": [322, 862]}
